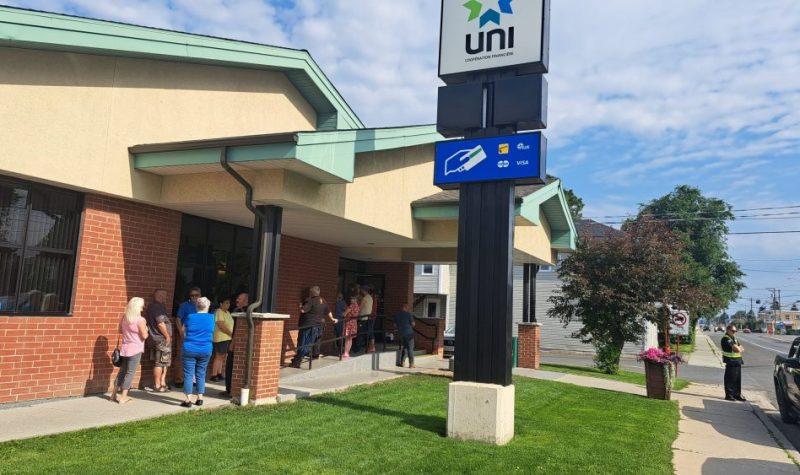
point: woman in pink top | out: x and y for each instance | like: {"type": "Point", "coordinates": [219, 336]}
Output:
{"type": "Point", "coordinates": [133, 328]}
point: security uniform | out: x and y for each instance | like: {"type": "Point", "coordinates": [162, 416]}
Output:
{"type": "Point", "coordinates": [733, 368]}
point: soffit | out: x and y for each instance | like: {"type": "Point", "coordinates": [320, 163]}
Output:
{"type": "Point", "coordinates": [325, 156]}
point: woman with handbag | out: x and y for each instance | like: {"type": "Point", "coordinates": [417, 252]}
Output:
{"type": "Point", "coordinates": [133, 328]}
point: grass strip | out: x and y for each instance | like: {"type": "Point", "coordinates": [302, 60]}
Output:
{"type": "Point", "coordinates": [393, 427]}
{"type": "Point", "coordinates": [623, 375]}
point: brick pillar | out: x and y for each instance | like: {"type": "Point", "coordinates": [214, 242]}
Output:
{"type": "Point", "coordinates": [433, 331]}
{"type": "Point", "coordinates": [267, 343]}
{"type": "Point", "coordinates": [528, 351]}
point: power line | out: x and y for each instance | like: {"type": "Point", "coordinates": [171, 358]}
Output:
{"type": "Point", "coordinates": [765, 232]}
{"type": "Point", "coordinates": [777, 271]}
{"type": "Point", "coordinates": [738, 210]}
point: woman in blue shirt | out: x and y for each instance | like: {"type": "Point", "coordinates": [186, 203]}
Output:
{"type": "Point", "coordinates": [197, 332]}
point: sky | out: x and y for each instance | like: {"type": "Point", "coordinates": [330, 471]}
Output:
{"type": "Point", "coordinates": [644, 95]}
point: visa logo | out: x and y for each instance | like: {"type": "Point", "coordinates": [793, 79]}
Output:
{"type": "Point", "coordinates": [522, 163]}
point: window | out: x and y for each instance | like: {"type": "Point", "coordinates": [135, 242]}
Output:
{"type": "Point", "coordinates": [433, 309]}
{"type": "Point", "coordinates": [427, 269]}
{"type": "Point", "coordinates": [38, 242]}
{"type": "Point", "coordinates": [214, 256]}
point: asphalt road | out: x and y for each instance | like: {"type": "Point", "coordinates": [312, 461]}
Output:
{"type": "Point", "coordinates": [759, 356]}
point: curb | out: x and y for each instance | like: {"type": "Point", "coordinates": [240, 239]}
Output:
{"type": "Point", "coordinates": [760, 407]}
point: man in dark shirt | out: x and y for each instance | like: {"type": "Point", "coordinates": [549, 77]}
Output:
{"type": "Point", "coordinates": [242, 301]}
{"type": "Point", "coordinates": [160, 330]}
{"type": "Point", "coordinates": [404, 320]}
{"type": "Point", "coordinates": [312, 314]}
{"type": "Point", "coordinates": [732, 357]}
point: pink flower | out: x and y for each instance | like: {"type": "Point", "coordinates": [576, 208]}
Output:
{"type": "Point", "coordinates": [657, 355]}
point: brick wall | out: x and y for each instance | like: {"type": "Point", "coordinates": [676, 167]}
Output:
{"type": "Point", "coordinates": [267, 337]}
{"type": "Point", "coordinates": [303, 264]}
{"type": "Point", "coordinates": [127, 249]}
{"type": "Point", "coordinates": [528, 351]}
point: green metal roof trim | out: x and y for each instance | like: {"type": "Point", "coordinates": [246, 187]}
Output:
{"type": "Point", "coordinates": [49, 31]}
{"type": "Point", "coordinates": [332, 152]}
{"type": "Point", "coordinates": [553, 203]}
{"type": "Point", "coordinates": [549, 198]}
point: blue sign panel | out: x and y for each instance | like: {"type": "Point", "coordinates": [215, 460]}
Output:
{"type": "Point", "coordinates": [519, 157]}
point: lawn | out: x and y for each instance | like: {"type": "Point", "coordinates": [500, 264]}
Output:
{"type": "Point", "coordinates": [394, 427]}
{"type": "Point", "coordinates": [623, 376]}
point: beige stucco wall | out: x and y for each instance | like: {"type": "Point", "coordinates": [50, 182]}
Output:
{"type": "Point", "coordinates": [386, 183]}
{"type": "Point", "coordinates": [69, 118]}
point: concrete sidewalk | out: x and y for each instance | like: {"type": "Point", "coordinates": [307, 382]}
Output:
{"type": "Point", "coordinates": [705, 353]}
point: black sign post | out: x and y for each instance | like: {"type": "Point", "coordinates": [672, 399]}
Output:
{"type": "Point", "coordinates": [491, 103]}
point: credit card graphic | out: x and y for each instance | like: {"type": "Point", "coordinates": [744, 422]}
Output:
{"type": "Point", "coordinates": [464, 160]}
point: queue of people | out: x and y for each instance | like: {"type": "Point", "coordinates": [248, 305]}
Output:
{"type": "Point", "coordinates": [202, 335]}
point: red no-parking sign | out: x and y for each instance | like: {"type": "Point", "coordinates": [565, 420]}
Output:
{"type": "Point", "coordinates": [679, 323]}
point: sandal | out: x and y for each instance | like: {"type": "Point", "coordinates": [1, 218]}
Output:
{"type": "Point", "coordinates": [162, 389]}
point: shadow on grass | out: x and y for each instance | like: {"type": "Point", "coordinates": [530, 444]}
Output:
{"type": "Point", "coordinates": [434, 424]}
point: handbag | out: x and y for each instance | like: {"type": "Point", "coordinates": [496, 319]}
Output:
{"type": "Point", "coordinates": [116, 358]}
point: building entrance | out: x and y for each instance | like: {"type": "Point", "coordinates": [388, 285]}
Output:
{"type": "Point", "coordinates": [214, 256]}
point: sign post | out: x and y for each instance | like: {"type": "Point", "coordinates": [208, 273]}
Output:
{"type": "Point", "coordinates": [492, 56]}
{"type": "Point", "coordinates": [679, 326]}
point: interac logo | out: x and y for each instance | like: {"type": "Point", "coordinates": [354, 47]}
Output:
{"type": "Point", "coordinates": [487, 41]}
{"type": "Point", "coordinates": [490, 15]}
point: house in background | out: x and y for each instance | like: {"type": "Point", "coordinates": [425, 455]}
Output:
{"type": "Point", "coordinates": [431, 290]}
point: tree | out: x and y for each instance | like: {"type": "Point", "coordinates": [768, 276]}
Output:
{"type": "Point", "coordinates": [575, 204]}
{"type": "Point", "coordinates": [613, 284]}
{"type": "Point", "coordinates": [700, 222]}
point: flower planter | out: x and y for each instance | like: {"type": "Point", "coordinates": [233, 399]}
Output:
{"type": "Point", "coordinates": [658, 380]}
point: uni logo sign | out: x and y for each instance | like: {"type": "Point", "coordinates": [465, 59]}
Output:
{"type": "Point", "coordinates": [486, 40]}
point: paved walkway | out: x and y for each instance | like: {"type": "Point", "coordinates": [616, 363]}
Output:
{"type": "Point", "coordinates": [715, 436]}
{"type": "Point", "coordinates": [705, 352]}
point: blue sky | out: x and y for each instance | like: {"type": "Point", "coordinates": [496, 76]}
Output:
{"type": "Point", "coordinates": [644, 94]}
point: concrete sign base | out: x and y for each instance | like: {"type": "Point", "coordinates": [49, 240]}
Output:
{"type": "Point", "coordinates": [481, 412]}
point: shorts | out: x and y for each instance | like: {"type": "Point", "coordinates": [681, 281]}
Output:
{"type": "Point", "coordinates": [221, 347]}
{"type": "Point", "coordinates": [162, 355]}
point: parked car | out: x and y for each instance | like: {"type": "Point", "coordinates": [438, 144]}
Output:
{"type": "Point", "coordinates": [747, 330]}
{"type": "Point", "coordinates": [785, 377]}
{"type": "Point", "coordinates": [449, 341]}
{"type": "Point", "coordinates": [706, 328]}
{"type": "Point", "coordinates": [718, 329]}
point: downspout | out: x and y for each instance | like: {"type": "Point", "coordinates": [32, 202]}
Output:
{"type": "Point", "coordinates": [223, 160]}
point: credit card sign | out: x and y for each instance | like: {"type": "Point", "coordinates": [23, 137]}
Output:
{"type": "Point", "coordinates": [520, 157]}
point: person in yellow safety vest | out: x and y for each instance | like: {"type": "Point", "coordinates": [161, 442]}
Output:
{"type": "Point", "coordinates": [732, 356]}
